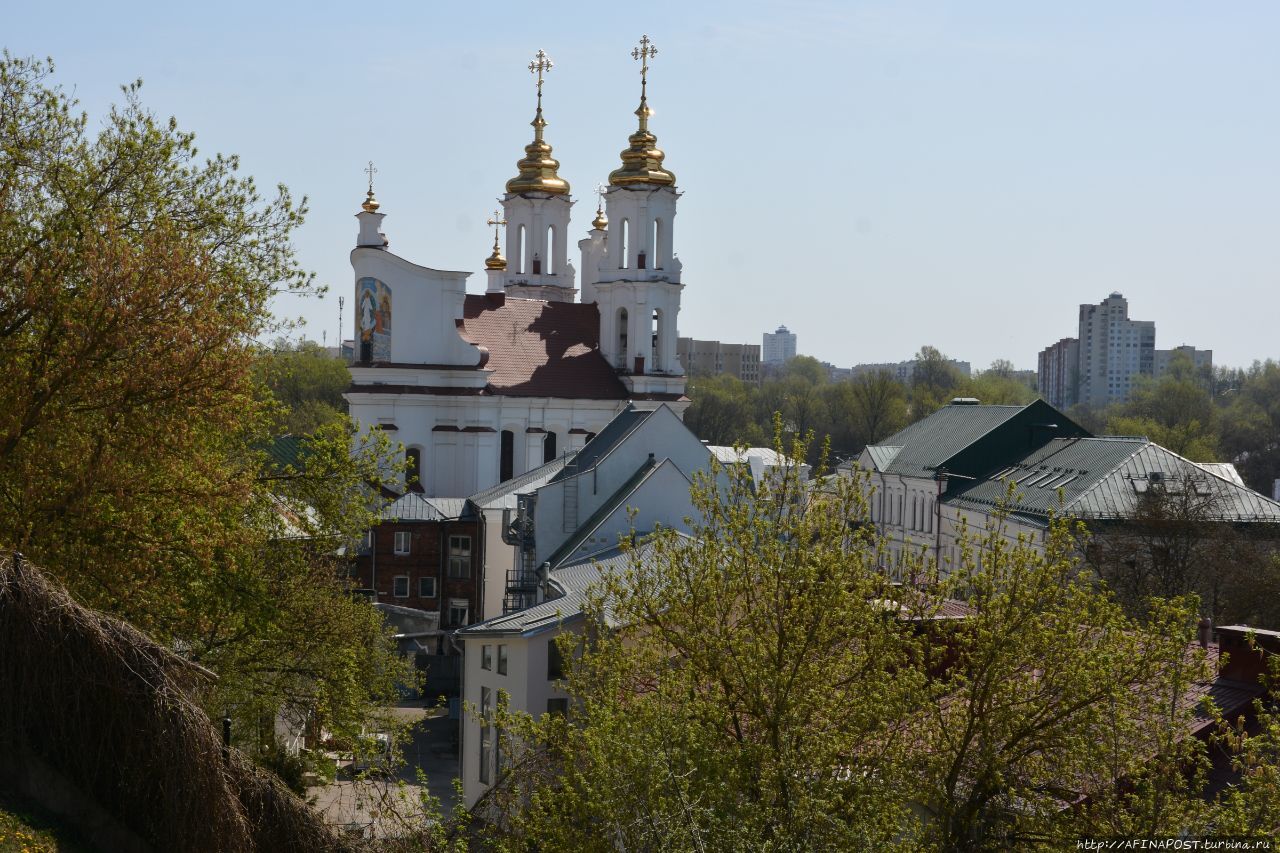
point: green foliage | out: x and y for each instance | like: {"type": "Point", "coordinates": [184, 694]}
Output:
{"type": "Point", "coordinates": [764, 686]}
{"type": "Point", "coordinates": [746, 697]}
{"type": "Point", "coordinates": [134, 276]}
{"type": "Point", "coordinates": [307, 382]}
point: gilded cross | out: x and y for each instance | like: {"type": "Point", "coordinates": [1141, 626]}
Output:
{"type": "Point", "coordinates": [644, 52]}
{"type": "Point", "coordinates": [370, 170]}
{"type": "Point", "coordinates": [541, 64]}
{"type": "Point", "coordinates": [497, 222]}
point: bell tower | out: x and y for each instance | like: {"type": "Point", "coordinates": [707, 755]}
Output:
{"type": "Point", "coordinates": [536, 215]}
{"type": "Point", "coordinates": [636, 275]}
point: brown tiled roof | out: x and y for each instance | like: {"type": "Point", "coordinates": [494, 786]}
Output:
{"type": "Point", "coordinates": [541, 349]}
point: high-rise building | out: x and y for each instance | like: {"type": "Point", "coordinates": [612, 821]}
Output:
{"type": "Point", "coordinates": [1114, 351]}
{"type": "Point", "coordinates": [904, 371]}
{"type": "Point", "coordinates": [779, 347]}
{"type": "Point", "coordinates": [1201, 360]}
{"type": "Point", "coordinates": [711, 358]}
{"type": "Point", "coordinates": [1058, 373]}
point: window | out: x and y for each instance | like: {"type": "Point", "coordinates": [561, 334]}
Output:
{"type": "Point", "coordinates": [486, 656]}
{"type": "Point", "coordinates": [557, 707]}
{"type": "Point", "coordinates": [507, 456]}
{"type": "Point", "coordinates": [548, 447]}
{"type": "Point", "coordinates": [502, 658]}
{"type": "Point", "coordinates": [555, 661]}
{"type": "Point", "coordinates": [485, 733]}
{"type": "Point", "coordinates": [459, 556]}
{"type": "Point", "coordinates": [623, 244]}
{"type": "Point", "coordinates": [402, 542]}
{"type": "Point", "coordinates": [458, 610]}
{"type": "Point", "coordinates": [426, 587]}
{"type": "Point", "coordinates": [518, 255]}
{"type": "Point", "coordinates": [413, 469]}
{"type": "Point", "coordinates": [400, 586]}
{"type": "Point", "coordinates": [551, 250]}
{"type": "Point", "coordinates": [504, 701]}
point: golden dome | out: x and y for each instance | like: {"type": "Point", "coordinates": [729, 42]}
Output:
{"type": "Point", "coordinates": [495, 261]}
{"type": "Point", "coordinates": [370, 203]}
{"type": "Point", "coordinates": [538, 167]}
{"type": "Point", "coordinates": [642, 161]}
{"type": "Point", "coordinates": [601, 222]}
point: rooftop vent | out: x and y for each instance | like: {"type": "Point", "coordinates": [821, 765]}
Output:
{"type": "Point", "coordinates": [965, 401]}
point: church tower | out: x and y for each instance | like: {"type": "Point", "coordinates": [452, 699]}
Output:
{"type": "Point", "coordinates": [636, 274]}
{"type": "Point", "coordinates": [536, 215]}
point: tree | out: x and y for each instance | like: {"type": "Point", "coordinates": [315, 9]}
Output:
{"type": "Point", "coordinates": [933, 381]}
{"type": "Point", "coordinates": [1174, 411]}
{"type": "Point", "coordinates": [1052, 695]}
{"type": "Point", "coordinates": [744, 699]}
{"type": "Point", "coordinates": [763, 685]}
{"type": "Point", "coordinates": [722, 411]}
{"type": "Point", "coordinates": [1251, 425]}
{"type": "Point", "coordinates": [307, 382]}
{"type": "Point", "coordinates": [133, 280]}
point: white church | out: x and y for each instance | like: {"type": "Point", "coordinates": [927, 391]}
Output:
{"type": "Point", "coordinates": [481, 388]}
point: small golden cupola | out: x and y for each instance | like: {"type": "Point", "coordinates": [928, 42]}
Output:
{"type": "Point", "coordinates": [495, 261]}
{"type": "Point", "coordinates": [538, 167]}
{"type": "Point", "coordinates": [642, 160]}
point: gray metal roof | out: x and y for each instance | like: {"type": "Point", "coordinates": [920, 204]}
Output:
{"type": "Point", "coordinates": [615, 501]}
{"type": "Point", "coordinates": [928, 443]}
{"type": "Point", "coordinates": [503, 495]}
{"type": "Point", "coordinates": [1105, 478]}
{"type": "Point", "coordinates": [604, 441]}
{"type": "Point", "coordinates": [413, 507]}
{"type": "Point", "coordinates": [571, 582]}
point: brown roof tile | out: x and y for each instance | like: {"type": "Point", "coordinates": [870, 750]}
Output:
{"type": "Point", "coordinates": [541, 349]}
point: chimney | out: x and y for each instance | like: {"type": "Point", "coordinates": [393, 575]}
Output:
{"type": "Point", "coordinates": [1206, 632]}
{"type": "Point", "coordinates": [1247, 651]}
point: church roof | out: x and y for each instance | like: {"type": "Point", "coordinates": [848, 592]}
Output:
{"type": "Point", "coordinates": [541, 349]}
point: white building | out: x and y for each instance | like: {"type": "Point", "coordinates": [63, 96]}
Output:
{"type": "Point", "coordinates": [949, 472]}
{"type": "Point", "coordinates": [1113, 351]}
{"type": "Point", "coordinates": [634, 476]}
{"type": "Point", "coordinates": [1201, 360]}
{"type": "Point", "coordinates": [779, 347]}
{"type": "Point", "coordinates": [481, 388]}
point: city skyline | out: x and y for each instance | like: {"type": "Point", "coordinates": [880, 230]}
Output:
{"type": "Point", "coordinates": [946, 170]}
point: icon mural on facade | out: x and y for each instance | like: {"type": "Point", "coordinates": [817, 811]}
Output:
{"type": "Point", "coordinates": [374, 300]}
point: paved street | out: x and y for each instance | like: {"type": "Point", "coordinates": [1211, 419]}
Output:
{"type": "Point", "coordinates": [379, 807]}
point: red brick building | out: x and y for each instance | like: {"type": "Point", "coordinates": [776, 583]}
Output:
{"type": "Point", "coordinates": [428, 555]}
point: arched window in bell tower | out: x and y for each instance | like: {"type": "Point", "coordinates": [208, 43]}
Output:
{"type": "Point", "coordinates": [659, 243]}
{"type": "Point", "coordinates": [550, 266]}
{"type": "Point", "coordinates": [518, 260]}
{"type": "Point", "coordinates": [656, 340]}
{"type": "Point", "coordinates": [624, 245]}
{"type": "Point", "coordinates": [622, 338]}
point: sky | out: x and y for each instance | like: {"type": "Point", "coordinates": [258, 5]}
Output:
{"type": "Point", "coordinates": [877, 176]}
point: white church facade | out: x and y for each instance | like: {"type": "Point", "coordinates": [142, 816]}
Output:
{"type": "Point", "coordinates": [483, 387]}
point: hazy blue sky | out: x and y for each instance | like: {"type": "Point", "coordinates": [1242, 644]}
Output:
{"type": "Point", "coordinates": [875, 175]}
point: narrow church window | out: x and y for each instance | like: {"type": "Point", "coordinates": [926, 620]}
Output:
{"type": "Point", "coordinates": [624, 244]}
{"type": "Point", "coordinates": [506, 459]}
{"type": "Point", "coordinates": [622, 338]}
{"type": "Point", "coordinates": [537, 264]}
{"type": "Point", "coordinates": [413, 469]}
{"type": "Point", "coordinates": [549, 447]}
{"type": "Point", "coordinates": [656, 339]}
{"type": "Point", "coordinates": [658, 248]}
{"type": "Point", "coordinates": [518, 254]}
{"type": "Point", "coordinates": [551, 250]}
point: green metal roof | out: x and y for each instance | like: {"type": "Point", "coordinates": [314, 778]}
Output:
{"type": "Point", "coordinates": [928, 443]}
{"type": "Point", "coordinates": [1104, 478]}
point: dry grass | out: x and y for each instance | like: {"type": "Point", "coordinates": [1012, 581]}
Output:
{"type": "Point", "coordinates": [111, 712]}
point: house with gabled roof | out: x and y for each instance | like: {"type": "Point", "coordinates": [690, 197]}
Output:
{"type": "Point", "coordinates": [632, 478]}
{"type": "Point", "coordinates": [945, 476]}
